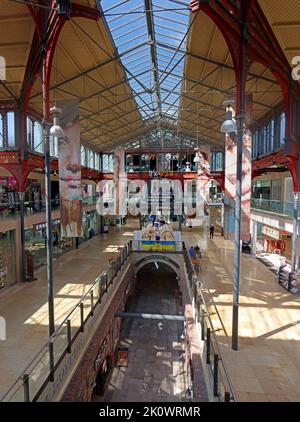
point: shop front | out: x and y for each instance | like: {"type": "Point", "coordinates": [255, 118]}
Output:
{"type": "Point", "coordinates": [273, 241]}
{"type": "Point", "coordinates": [8, 194]}
{"type": "Point", "coordinates": [91, 225]}
{"type": "Point", "coordinates": [7, 259]}
{"type": "Point", "coordinates": [35, 243]}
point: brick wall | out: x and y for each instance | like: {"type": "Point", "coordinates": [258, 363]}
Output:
{"type": "Point", "coordinates": [81, 385]}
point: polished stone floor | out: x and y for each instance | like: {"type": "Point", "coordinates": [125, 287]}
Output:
{"type": "Point", "coordinates": [25, 307]}
{"type": "Point", "coordinates": [267, 365]}
{"type": "Point", "coordinates": [265, 368]}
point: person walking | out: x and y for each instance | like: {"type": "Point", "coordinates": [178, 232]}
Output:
{"type": "Point", "coordinates": [211, 231]}
{"type": "Point", "coordinates": [198, 252]}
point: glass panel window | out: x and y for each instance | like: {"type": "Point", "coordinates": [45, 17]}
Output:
{"type": "Point", "coordinates": [105, 162]}
{"type": "Point", "coordinates": [11, 128]}
{"type": "Point", "coordinates": [272, 144]}
{"type": "Point", "coordinates": [282, 129]}
{"type": "Point", "coordinates": [38, 138]}
{"type": "Point", "coordinates": [1, 131]}
{"type": "Point", "coordinates": [29, 133]}
{"type": "Point", "coordinates": [83, 160]}
{"type": "Point", "coordinates": [111, 163]}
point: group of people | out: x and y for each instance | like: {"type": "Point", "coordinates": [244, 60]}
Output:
{"type": "Point", "coordinates": [195, 254]}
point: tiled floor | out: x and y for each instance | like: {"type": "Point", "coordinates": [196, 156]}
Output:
{"type": "Point", "coordinates": [267, 365]}
{"type": "Point", "coordinates": [265, 368]}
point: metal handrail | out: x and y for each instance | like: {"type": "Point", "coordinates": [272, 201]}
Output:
{"type": "Point", "coordinates": [213, 333]}
{"type": "Point", "coordinates": [26, 371]}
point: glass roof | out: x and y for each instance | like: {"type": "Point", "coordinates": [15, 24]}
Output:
{"type": "Point", "coordinates": [163, 138]}
{"type": "Point", "coordinates": [150, 37]}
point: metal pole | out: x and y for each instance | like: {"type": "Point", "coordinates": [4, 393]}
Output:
{"type": "Point", "coordinates": [216, 373]}
{"type": "Point", "coordinates": [295, 229]}
{"type": "Point", "coordinates": [222, 218]}
{"type": "Point", "coordinates": [69, 336]}
{"type": "Point", "coordinates": [49, 232]}
{"type": "Point", "coordinates": [208, 345]}
{"type": "Point", "coordinates": [81, 317]}
{"type": "Point", "coordinates": [25, 379]}
{"type": "Point", "coordinates": [51, 361]}
{"type": "Point", "coordinates": [237, 238]}
{"type": "Point", "coordinates": [240, 133]}
{"type": "Point", "coordinates": [22, 237]}
{"type": "Point", "coordinates": [19, 124]}
{"type": "Point", "coordinates": [48, 200]}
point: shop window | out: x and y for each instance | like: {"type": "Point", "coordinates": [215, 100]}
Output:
{"type": "Point", "coordinates": [276, 190]}
{"type": "Point", "coordinates": [7, 260]}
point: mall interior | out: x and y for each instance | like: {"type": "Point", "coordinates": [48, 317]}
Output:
{"type": "Point", "coordinates": [155, 256]}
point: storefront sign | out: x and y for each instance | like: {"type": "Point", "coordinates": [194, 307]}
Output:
{"type": "Point", "coordinates": [70, 172]}
{"type": "Point", "coordinates": [43, 225]}
{"type": "Point", "coordinates": [268, 231]}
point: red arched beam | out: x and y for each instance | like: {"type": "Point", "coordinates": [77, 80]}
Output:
{"type": "Point", "coordinates": [55, 24]}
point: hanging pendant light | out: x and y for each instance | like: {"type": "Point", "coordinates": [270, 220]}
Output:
{"type": "Point", "coordinates": [56, 130]}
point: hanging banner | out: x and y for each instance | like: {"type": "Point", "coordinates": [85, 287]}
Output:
{"type": "Point", "coordinates": [230, 179]}
{"type": "Point", "coordinates": [246, 186]}
{"type": "Point", "coordinates": [202, 191]}
{"type": "Point", "coordinates": [70, 172]}
{"type": "Point", "coordinates": [120, 181]}
{"type": "Point", "coordinates": [246, 172]}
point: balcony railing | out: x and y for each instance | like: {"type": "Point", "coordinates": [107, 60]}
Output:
{"type": "Point", "coordinates": [222, 387]}
{"type": "Point", "coordinates": [46, 364]}
{"type": "Point", "coordinates": [276, 207]}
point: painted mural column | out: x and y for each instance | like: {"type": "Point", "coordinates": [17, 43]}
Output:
{"type": "Point", "coordinates": [202, 191]}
